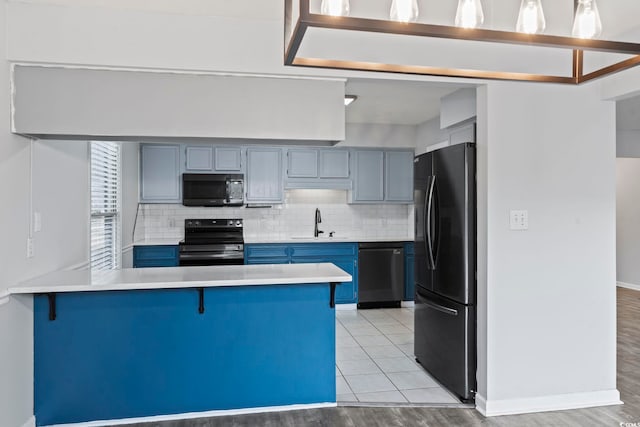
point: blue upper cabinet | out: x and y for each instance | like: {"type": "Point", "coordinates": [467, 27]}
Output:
{"type": "Point", "coordinates": [213, 159]}
{"type": "Point", "coordinates": [398, 176]}
{"type": "Point", "coordinates": [382, 176]}
{"type": "Point", "coordinates": [302, 163]}
{"type": "Point", "coordinates": [199, 159]}
{"type": "Point", "coordinates": [264, 178]}
{"type": "Point", "coordinates": [334, 163]}
{"type": "Point", "coordinates": [228, 159]}
{"type": "Point", "coordinates": [369, 176]}
{"type": "Point", "coordinates": [160, 173]}
{"type": "Point", "coordinates": [318, 168]}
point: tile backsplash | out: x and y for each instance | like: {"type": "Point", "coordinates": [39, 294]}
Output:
{"type": "Point", "coordinates": [293, 218]}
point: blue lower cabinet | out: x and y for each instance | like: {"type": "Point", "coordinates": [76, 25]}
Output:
{"type": "Point", "coordinates": [409, 272]}
{"type": "Point", "coordinates": [125, 354]}
{"type": "Point", "coordinates": [343, 255]}
{"type": "Point", "coordinates": [266, 254]}
{"type": "Point", "coordinates": [156, 256]}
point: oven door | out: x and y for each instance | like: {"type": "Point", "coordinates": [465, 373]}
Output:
{"type": "Point", "coordinates": [218, 254]}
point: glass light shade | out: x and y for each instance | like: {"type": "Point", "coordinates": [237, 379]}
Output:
{"type": "Point", "coordinates": [469, 14]}
{"type": "Point", "coordinates": [587, 23]}
{"type": "Point", "coordinates": [404, 10]}
{"type": "Point", "coordinates": [531, 17]}
{"type": "Point", "coordinates": [335, 7]}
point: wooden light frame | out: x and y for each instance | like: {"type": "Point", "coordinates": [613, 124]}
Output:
{"type": "Point", "coordinates": [306, 20]}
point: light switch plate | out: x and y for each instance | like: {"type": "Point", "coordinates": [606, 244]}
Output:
{"type": "Point", "coordinates": [519, 220]}
{"type": "Point", "coordinates": [37, 222]}
{"type": "Point", "coordinates": [29, 247]}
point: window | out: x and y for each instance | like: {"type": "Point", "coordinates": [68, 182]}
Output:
{"type": "Point", "coordinates": [105, 205]}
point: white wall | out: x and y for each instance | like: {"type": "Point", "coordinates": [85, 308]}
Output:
{"type": "Point", "coordinates": [628, 143]}
{"type": "Point", "coordinates": [429, 133]}
{"type": "Point", "coordinates": [379, 135]}
{"type": "Point", "coordinates": [60, 185]}
{"type": "Point", "coordinates": [627, 224]}
{"type": "Point", "coordinates": [551, 310]}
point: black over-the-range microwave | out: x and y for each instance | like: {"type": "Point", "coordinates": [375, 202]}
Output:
{"type": "Point", "coordinates": [212, 189]}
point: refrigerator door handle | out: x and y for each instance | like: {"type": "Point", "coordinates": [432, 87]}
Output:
{"type": "Point", "coordinates": [428, 237]}
{"type": "Point", "coordinates": [425, 216]}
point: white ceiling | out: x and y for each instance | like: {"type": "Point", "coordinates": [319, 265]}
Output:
{"type": "Point", "coordinates": [395, 101]}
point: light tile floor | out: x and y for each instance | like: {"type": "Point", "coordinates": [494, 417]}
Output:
{"type": "Point", "coordinates": [375, 361]}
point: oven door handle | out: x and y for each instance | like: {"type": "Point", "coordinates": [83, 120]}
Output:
{"type": "Point", "coordinates": [201, 255]}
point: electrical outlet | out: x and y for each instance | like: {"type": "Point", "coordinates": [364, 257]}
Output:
{"type": "Point", "coordinates": [29, 247]}
{"type": "Point", "coordinates": [519, 220]}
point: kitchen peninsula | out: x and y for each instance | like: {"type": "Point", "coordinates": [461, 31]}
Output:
{"type": "Point", "coordinates": [155, 342]}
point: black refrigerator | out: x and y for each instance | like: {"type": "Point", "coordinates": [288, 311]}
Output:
{"type": "Point", "coordinates": [445, 266]}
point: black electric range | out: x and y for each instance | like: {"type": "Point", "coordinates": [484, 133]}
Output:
{"type": "Point", "coordinates": [212, 242]}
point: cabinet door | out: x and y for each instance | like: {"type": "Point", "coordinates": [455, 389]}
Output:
{"type": "Point", "coordinates": [334, 164]}
{"type": "Point", "coordinates": [398, 176]}
{"type": "Point", "coordinates": [302, 163]}
{"type": "Point", "coordinates": [228, 159]}
{"type": "Point", "coordinates": [160, 173]}
{"type": "Point", "coordinates": [368, 181]}
{"type": "Point", "coordinates": [199, 159]}
{"type": "Point", "coordinates": [264, 175]}
{"type": "Point", "coordinates": [257, 253]}
{"type": "Point", "coordinates": [155, 256]}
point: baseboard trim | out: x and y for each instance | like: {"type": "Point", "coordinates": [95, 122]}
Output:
{"type": "Point", "coordinates": [558, 402]}
{"type": "Point", "coordinates": [192, 415]}
{"type": "Point", "coordinates": [31, 422]}
{"type": "Point", "coordinates": [628, 286]}
{"type": "Point", "coordinates": [341, 307]}
{"type": "Point", "coordinates": [407, 304]}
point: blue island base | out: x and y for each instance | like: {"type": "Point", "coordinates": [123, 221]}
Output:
{"type": "Point", "coordinates": [127, 354]}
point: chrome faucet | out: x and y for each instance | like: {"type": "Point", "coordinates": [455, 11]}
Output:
{"type": "Point", "coordinates": [317, 232]}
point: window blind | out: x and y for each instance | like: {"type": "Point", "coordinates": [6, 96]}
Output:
{"type": "Point", "coordinates": [105, 205]}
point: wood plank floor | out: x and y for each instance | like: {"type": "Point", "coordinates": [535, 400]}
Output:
{"type": "Point", "coordinates": [628, 384]}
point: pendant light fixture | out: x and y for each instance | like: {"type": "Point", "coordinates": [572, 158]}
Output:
{"type": "Point", "coordinates": [587, 23]}
{"type": "Point", "coordinates": [404, 10]}
{"type": "Point", "coordinates": [335, 7]}
{"type": "Point", "coordinates": [469, 14]}
{"type": "Point", "coordinates": [531, 17]}
{"type": "Point", "coordinates": [478, 52]}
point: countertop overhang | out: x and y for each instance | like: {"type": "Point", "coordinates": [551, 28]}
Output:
{"type": "Point", "coordinates": [181, 277]}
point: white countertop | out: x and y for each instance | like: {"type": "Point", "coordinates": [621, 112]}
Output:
{"type": "Point", "coordinates": [157, 242]}
{"type": "Point", "coordinates": [250, 240]}
{"type": "Point", "coordinates": [181, 277]}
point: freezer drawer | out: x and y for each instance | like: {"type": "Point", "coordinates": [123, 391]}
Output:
{"type": "Point", "coordinates": [445, 342]}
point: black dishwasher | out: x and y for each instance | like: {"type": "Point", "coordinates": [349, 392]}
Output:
{"type": "Point", "coordinates": [380, 274]}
